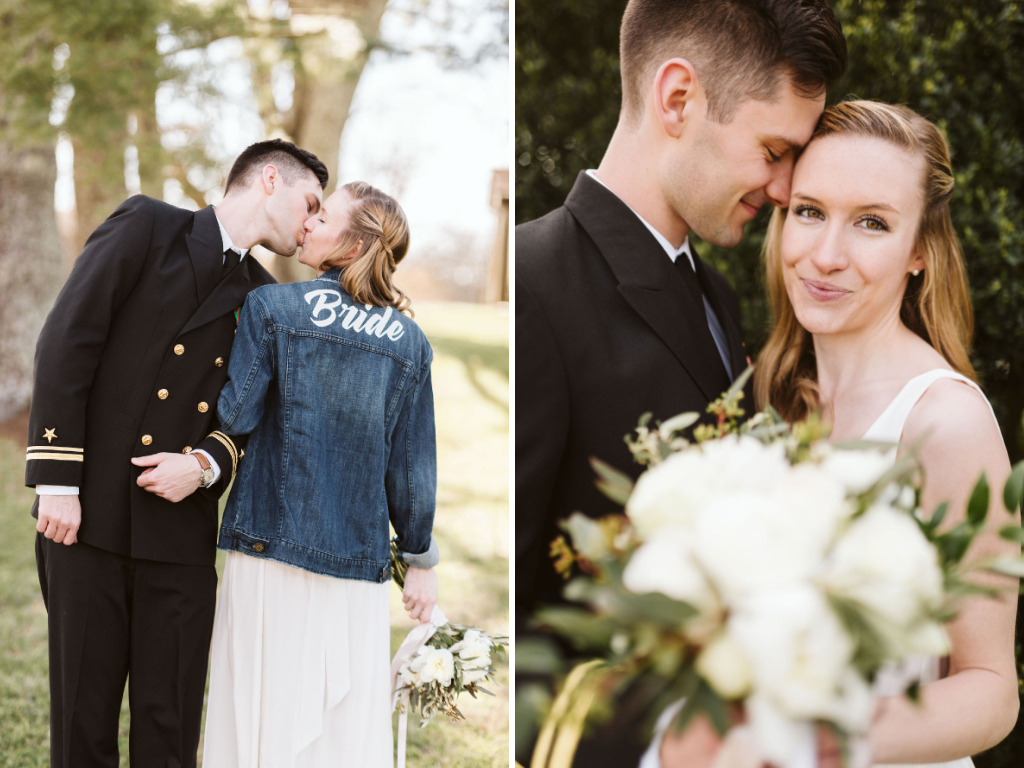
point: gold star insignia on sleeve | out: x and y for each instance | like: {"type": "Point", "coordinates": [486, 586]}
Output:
{"type": "Point", "coordinates": [50, 435]}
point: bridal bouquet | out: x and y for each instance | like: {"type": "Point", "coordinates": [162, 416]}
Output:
{"type": "Point", "coordinates": [448, 661]}
{"type": "Point", "coordinates": [759, 566]}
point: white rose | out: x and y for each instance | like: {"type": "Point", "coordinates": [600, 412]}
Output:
{"type": "Point", "coordinates": [857, 470]}
{"type": "Point", "coordinates": [748, 542]}
{"type": "Point", "coordinates": [779, 737]}
{"type": "Point", "coordinates": [800, 654]}
{"type": "Point", "coordinates": [725, 666]}
{"type": "Point", "coordinates": [672, 493]}
{"type": "Point", "coordinates": [884, 563]}
{"type": "Point", "coordinates": [665, 564]}
{"type": "Point", "coordinates": [434, 664]}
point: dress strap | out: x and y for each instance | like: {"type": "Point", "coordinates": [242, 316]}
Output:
{"type": "Point", "coordinates": [888, 427]}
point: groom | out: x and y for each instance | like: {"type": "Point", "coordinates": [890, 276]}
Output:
{"type": "Point", "coordinates": [616, 315]}
{"type": "Point", "coordinates": [129, 366]}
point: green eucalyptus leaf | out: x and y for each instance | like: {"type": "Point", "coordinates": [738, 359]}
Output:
{"type": "Point", "coordinates": [1013, 491]}
{"type": "Point", "coordinates": [582, 628]}
{"type": "Point", "coordinates": [1008, 566]}
{"type": "Point", "coordinates": [1014, 533]}
{"type": "Point", "coordinates": [938, 516]}
{"type": "Point", "coordinates": [977, 507]}
{"type": "Point", "coordinates": [614, 484]}
{"type": "Point", "coordinates": [678, 424]}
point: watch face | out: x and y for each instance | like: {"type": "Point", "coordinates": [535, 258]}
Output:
{"type": "Point", "coordinates": [207, 476]}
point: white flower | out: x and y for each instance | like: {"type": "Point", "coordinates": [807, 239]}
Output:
{"type": "Point", "coordinates": [885, 563]}
{"type": "Point", "coordinates": [589, 537]}
{"type": "Point", "coordinates": [433, 664]}
{"type": "Point", "coordinates": [672, 493]}
{"type": "Point", "coordinates": [725, 666]}
{"type": "Point", "coordinates": [778, 737]}
{"type": "Point", "coordinates": [665, 564]}
{"type": "Point", "coordinates": [799, 651]}
{"type": "Point", "coordinates": [857, 470]}
{"type": "Point", "coordinates": [473, 647]}
{"type": "Point", "coordinates": [473, 675]}
{"type": "Point", "coordinates": [409, 678]}
{"type": "Point", "coordinates": [749, 542]}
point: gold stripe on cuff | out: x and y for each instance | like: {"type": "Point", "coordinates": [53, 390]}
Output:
{"type": "Point", "coordinates": [55, 457]}
{"type": "Point", "coordinates": [55, 448]}
{"type": "Point", "coordinates": [226, 442]}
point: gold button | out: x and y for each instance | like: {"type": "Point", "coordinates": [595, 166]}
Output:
{"type": "Point", "coordinates": [242, 454]}
{"type": "Point", "coordinates": [258, 546]}
{"type": "Point", "coordinates": [219, 362]}
{"type": "Point", "coordinates": [162, 394]}
{"type": "Point", "coordinates": [147, 439]}
{"type": "Point", "coordinates": [187, 449]}
{"type": "Point", "coordinates": [203, 407]}
{"type": "Point", "coordinates": [179, 349]}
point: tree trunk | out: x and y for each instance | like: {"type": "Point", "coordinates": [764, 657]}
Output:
{"type": "Point", "coordinates": [333, 38]}
{"type": "Point", "coordinates": [31, 264]}
{"type": "Point", "coordinates": [99, 184]}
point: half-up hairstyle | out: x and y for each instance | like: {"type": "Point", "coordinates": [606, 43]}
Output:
{"type": "Point", "coordinates": [379, 221]}
{"type": "Point", "coordinates": [937, 303]}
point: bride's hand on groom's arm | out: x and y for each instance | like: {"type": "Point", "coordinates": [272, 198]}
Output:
{"type": "Point", "coordinates": [171, 476]}
{"type": "Point", "coordinates": [420, 593]}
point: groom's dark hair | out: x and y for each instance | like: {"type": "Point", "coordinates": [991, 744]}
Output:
{"type": "Point", "coordinates": [290, 161]}
{"type": "Point", "coordinates": [741, 49]}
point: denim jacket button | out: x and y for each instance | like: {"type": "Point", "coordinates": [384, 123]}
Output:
{"type": "Point", "coordinates": [258, 546]}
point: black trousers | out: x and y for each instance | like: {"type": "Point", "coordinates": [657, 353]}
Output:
{"type": "Point", "coordinates": [113, 618]}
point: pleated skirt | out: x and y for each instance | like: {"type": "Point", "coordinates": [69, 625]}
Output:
{"type": "Point", "coordinates": [299, 672]}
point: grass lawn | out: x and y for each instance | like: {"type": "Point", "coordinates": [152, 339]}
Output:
{"type": "Point", "coordinates": [471, 394]}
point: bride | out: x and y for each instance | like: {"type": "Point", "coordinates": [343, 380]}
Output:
{"type": "Point", "coordinates": [873, 325]}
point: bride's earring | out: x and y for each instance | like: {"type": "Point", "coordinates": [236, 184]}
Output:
{"type": "Point", "coordinates": [916, 272]}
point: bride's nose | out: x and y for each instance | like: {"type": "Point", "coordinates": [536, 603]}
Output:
{"type": "Point", "coordinates": [830, 253]}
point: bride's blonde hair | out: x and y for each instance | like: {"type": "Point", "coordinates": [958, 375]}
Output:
{"type": "Point", "coordinates": [936, 304]}
{"type": "Point", "coordinates": [379, 221]}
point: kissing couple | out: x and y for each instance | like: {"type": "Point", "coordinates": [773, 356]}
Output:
{"type": "Point", "coordinates": [171, 363]}
{"type": "Point", "coordinates": [723, 111]}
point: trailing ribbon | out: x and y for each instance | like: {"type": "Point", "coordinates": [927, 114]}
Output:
{"type": "Point", "coordinates": [415, 640]}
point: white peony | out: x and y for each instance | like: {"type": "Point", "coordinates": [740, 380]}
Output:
{"type": "Point", "coordinates": [799, 651]}
{"type": "Point", "coordinates": [672, 493]}
{"type": "Point", "coordinates": [665, 564]}
{"type": "Point", "coordinates": [748, 542]}
{"type": "Point", "coordinates": [433, 665]}
{"type": "Point", "coordinates": [725, 666]}
{"type": "Point", "coordinates": [885, 563]}
{"type": "Point", "coordinates": [409, 678]}
{"type": "Point", "coordinates": [857, 470]}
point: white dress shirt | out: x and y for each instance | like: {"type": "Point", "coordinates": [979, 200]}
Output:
{"type": "Point", "coordinates": [72, 490]}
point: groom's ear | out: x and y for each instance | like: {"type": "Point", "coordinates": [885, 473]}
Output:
{"type": "Point", "coordinates": [270, 178]}
{"type": "Point", "coordinates": [678, 96]}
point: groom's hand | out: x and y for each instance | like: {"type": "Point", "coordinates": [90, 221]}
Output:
{"type": "Point", "coordinates": [171, 476]}
{"type": "Point", "coordinates": [696, 747]}
{"type": "Point", "coordinates": [420, 593]}
{"type": "Point", "coordinates": [59, 518]}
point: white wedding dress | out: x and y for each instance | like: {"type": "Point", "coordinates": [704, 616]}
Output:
{"type": "Point", "coordinates": [888, 428]}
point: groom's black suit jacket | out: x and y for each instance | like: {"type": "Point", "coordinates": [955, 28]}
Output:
{"type": "Point", "coordinates": [607, 328]}
{"type": "Point", "coordinates": [130, 362]}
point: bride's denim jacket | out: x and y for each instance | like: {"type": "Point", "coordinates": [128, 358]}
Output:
{"type": "Point", "coordinates": [337, 400]}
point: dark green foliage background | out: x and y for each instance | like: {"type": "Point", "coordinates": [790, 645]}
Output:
{"type": "Point", "coordinates": [959, 63]}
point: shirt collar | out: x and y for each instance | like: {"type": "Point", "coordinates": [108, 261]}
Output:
{"type": "Point", "coordinates": [226, 239]}
{"type": "Point", "coordinates": [673, 253]}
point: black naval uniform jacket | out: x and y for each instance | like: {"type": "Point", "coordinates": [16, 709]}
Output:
{"type": "Point", "coordinates": [607, 328]}
{"type": "Point", "coordinates": [130, 362]}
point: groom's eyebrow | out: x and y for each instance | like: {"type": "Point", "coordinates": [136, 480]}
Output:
{"type": "Point", "coordinates": [785, 141]}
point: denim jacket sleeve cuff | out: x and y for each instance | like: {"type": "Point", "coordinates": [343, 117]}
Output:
{"type": "Point", "coordinates": [425, 560]}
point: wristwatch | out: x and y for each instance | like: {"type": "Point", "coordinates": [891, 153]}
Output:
{"type": "Point", "coordinates": [207, 478]}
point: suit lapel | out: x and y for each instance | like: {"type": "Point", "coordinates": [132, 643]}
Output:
{"type": "Point", "coordinates": [205, 250]}
{"type": "Point", "coordinates": [226, 296]}
{"type": "Point", "coordinates": [649, 281]}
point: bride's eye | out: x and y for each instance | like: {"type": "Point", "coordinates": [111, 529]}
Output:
{"type": "Point", "coordinates": [809, 212]}
{"type": "Point", "coordinates": [874, 224]}
{"type": "Point", "coordinates": [321, 221]}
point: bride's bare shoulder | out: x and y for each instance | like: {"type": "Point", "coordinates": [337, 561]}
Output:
{"type": "Point", "coordinates": [956, 416]}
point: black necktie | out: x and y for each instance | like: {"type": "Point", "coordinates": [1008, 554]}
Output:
{"type": "Point", "coordinates": [231, 259]}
